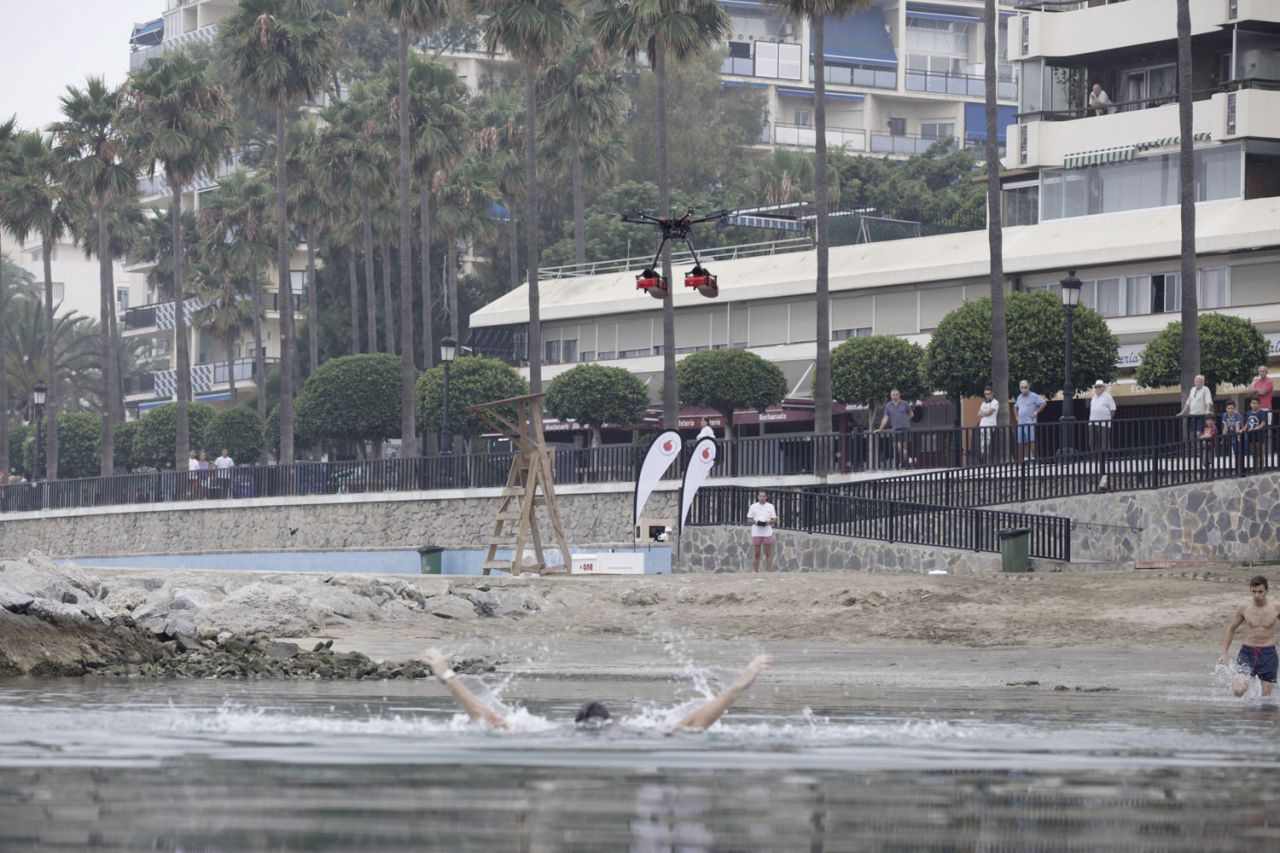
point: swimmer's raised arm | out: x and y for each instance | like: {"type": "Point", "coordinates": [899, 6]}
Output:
{"type": "Point", "coordinates": [476, 708]}
{"type": "Point", "coordinates": [702, 718]}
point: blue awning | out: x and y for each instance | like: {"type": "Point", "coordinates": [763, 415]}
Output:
{"type": "Point", "coordinates": [975, 121]}
{"type": "Point", "coordinates": [831, 96]}
{"type": "Point", "coordinates": [859, 39]}
{"type": "Point", "coordinates": [745, 5]}
{"type": "Point", "coordinates": [150, 33]}
{"type": "Point", "coordinates": [499, 212]}
{"type": "Point", "coordinates": [939, 16]}
{"type": "Point", "coordinates": [742, 84]}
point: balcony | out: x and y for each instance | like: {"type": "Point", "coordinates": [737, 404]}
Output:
{"type": "Point", "coordinates": [142, 56]}
{"type": "Point", "coordinates": [961, 85]}
{"type": "Point", "coordinates": [770, 59]}
{"type": "Point", "coordinates": [859, 141]}
{"type": "Point", "coordinates": [158, 315]}
{"type": "Point", "coordinates": [273, 301]}
{"type": "Point", "coordinates": [863, 77]}
{"type": "Point", "coordinates": [206, 378]}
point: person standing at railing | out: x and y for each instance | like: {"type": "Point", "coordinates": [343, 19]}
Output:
{"type": "Point", "coordinates": [1255, 426]}
{"type": "Point", "coordinates": [988, 422]}
{"type": "Point", "coordinates": [193, 474]}
{"type": "Point", "coordinates": [706, 431]}
{"type": "Point", "coordinates": [224, 464]}
{"type": "Point", "coordinates": [1208, 440]}
{"type": "Point", "coordinates": [1199, 406]}
{"type": "Point", "coordinates": [1233, 432]}
{"type": "Point", "coordinates": [760, 517]}
{"type": "Point", "coordinates": [1263, 390]}
{"type": "Point", "coordinates": [1028, 405]}
{"type": "Point", "coordinates": [1101, 409]}
{"type": "Point", "coordinates": [897, 418]}
{"type": "Point", "coordinates": [1099, 103]}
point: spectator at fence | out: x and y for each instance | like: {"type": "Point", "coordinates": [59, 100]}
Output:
{"type": "Point", "coordinates": [1099, 103]}
{"type": "Point", "coordinates": [1255, 425]}
{"type": "Point", "coordinates": [1028, 405]}
{"type": "Point", "coordinates": [760, 518]}
{"type": "Point", "coordinates": [1263, 390]}
{"type": "Point", "coordinates": [193, 474]}
{"type": "Point", "coordinates": [1208, 440]}
{"type": "Point", "coordinates": [1199, 406]}
{"type": "Point", "coordinates": [1233, 432]}
{"type": "Point", "coordinates": [1101, 409]}
{"type": "Point", "coordinates": [224, 464]}
{"type": "Point", "coordinates": [205, 470]}
{"type": "Point", "coordinates": [706, 431]}
{"type": "Point", "coordinates": [897, 418]}
{"type": "Point", "coordinates": [988, 423]}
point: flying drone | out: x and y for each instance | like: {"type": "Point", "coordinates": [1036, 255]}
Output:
{"type": "Point", "coordinates": [679, 228]}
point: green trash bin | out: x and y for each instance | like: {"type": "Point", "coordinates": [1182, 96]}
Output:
{"type": "Point", "coordinates": [1015, 547]}
{"type": "Point", "coordinates": [431, 556]}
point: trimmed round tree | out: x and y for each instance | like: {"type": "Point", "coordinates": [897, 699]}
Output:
{"type": "Point", "coordinates": [1231, 348]}
{"type": "Point", "coordinates": [730, 379]}
{"type": "Point", "coordinates": [472, 380]}
{"type": "Point", "coordinates": [594, 395]}
{"type": "Point", "coordinates": [865, 370]}
{"type": "Point", "coordinates": [79, 437]}
{"type": "Point", "coordinates": [154, 443]}
{"type": "Point", "coordinates": [352, 398]}
{"type": "Point", "coordinates": [958, 358]}
{"type": "Point", "coordinates": [240, 431]}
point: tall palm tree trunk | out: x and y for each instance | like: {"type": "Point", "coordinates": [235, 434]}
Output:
{"type": "Point", "coordinates": [451, 277]}
{"type": "Point", "coordinates": [531, 223]}
{"type": "Point", "coordinates": [259, 356]}
{"type": "Point", "coordinates": [117, 390]}
{"type": "Point", "coordinates": [408, 371]}
{"type": "Point", "coordinates": [1187, 201]}
{"type": "Point", "coordinates": [313, 304]}
{"type": "Point", "coordinates": [370, 288]}
{"type": "Point", "coordinates": [670, 393]}
{"type": "Point", "coordinates": [388, 313]}
{"type": "Point", "coordinates": [353, 286]}
{"type": "Point", "coordinates": [4, 386]}
{"type": "Point", "coordinates": [230, 343]}
{"type": "Point", "coordinates": [579, 204]}
{"type": "Point", "coordinates": [428, 339]}
{"type": "Point", "coordinates": [513, 247]}
{"type": "Point", "coordinates": [51, 396]}
{"type": "Point", "coordinates": [822, 396]}
{"type": "Point", "coordinates": [288, 341]}
{"type": "Point", "coordinates": [106, 297]}
{"type": "Point", "coordinates": [182, 443]}
{"type": "Point", "coordinates": [995, 232]}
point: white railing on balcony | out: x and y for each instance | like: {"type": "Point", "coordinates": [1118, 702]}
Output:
{"type": "Point", "coordinates": [800, 136]}
{"type": "Point", "coordinates": [204, 35]}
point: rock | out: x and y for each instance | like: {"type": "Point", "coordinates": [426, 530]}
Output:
{"type": "Point", "coordinates": [638, 598]}
{"type": "Point", "coordinates": [180, 626]}
{"type": "Point", "coordinates": [45, 608]}
{"type": "Point", "coordinates": [323, 646]}
{"type": "Point", "coordinates": [281, 651]}
{"type": "Point", "coordinates": [187, 643]}
{"type": "Point", "coordinates": [99, 611]}
{"type": "Point", "coordinates": [394, 611]}
{"type": "Point", "coordinates": [500, 602]}
{"type": "Point", "coordinates": [266, 608]}
{"type": "Point", "coordinates": [151, 609]}
{"type": "Point", "coordinates": [188, 599]}
{"type": "Point", "coordinates": [125, 598]}
{"type": "Point", "coordinates": [13, 599]}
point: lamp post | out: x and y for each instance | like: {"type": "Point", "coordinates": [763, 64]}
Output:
{"type": "Point", "coordinates": [1070, 298]}
{"type": "Point", "coordinates": [448, 350]}
{"type": "Point", "coordinates": [37, 399]}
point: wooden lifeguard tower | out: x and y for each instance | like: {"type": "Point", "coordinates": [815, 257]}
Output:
{"type": "Point", "coordinates": [530, 484]}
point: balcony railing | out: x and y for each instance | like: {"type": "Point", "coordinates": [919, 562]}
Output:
{"type": "Point", "coordinates": [803, 136]}
{"type": "Point", "coordinates": [158, 315]}
{"type": "Point", "coordinates": [960, 85]}
{"type": "Point", "coordinates": [908, 144]}
{"type": "Point", "coordinates": [205, 377]}
{"type": "Point", "coordinates": [273, 301]}
{"type": "Point", "coordinates": [769, 59]}
{"type": "Point", "coordinates": [1264, 84]}
{"type": "Point", "coordinates": [868, 78]}
{"type": "Point", "coordinates": [204, 35]}
{"type": "Point", "coordinates": [720, 253]}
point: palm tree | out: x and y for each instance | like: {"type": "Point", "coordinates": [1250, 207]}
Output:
{"type": "Point", "coordinates": [220, 276]}
{"type": "Point", "coordinates": [384, 229]}
{"type": "Point", "coordinates": [1187, 201]}
{"type": "Point", "coordinates": [816, 12]}
{"type": "Point", "coordinates": [408, 17]}
{"type": "Point", "coordinates": [584, 104]}
{"type": "Point", "coordinates": [529, 30]}
{"type": "Point", "coordinates": [309, 206]}
{"type": "Point", "coordinates": [96, 165]}
{"type": "Point", "coordinates": [662, 29]}
{"type": "Point", "coordinates": [36, 202]}
{"type": "Point", "coordinates": [75, 368]}
{"type": "Point", "coordinates": [7, 130]}
{"type": "Point", "coordinates": [177, 118]}
{"type": "Point", "coordinates": [499, 134]}
{"type": "Point", "coordinates": [995, 233]}
{"type": "Point", "coordinates": [439, 118]}
{"type": "Point", "coordinates": [343, 223]}
{"type": "Point", "coordinates": [281, 51]}
{"type": "Point", "coordinates": [465, 194]}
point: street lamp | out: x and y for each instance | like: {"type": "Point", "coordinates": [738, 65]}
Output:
{"type": "Point", "coordinates": [37, 399]}
{"type": "Point", "coordinates": [448, 350]}
{"type": "Point", "coordinates": [1070, 298]}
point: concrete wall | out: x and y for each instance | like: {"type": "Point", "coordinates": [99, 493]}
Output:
{"type": "Point", "coordinates": [451, 520]}
{"type": "Point", "coordinates": [1221, 520]}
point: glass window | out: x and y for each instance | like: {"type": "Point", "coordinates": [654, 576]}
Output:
{"type": "Point", "coordinates": [1107, 301]}
{"type": "Point", "coordinates": [845, 334]}
{"type": "Point", "coordinates": [587, 355]}
{"type": "Point", "coordinates": [569, 351]}
{"type": "Point", "coordinates": [608, 355]}
{"type": "Point", "coordinates": [937, 129]}
{"type": "Point", "coordinates": [1213, 290]}
{"type": "Point", "coordinates": [1166, 293]}
{"type": "Point", "coordinates": [1021, 205]}
{"type": "Point", "coordinates": [1137, 294]}
{"type": "Point", "coordinates": [551, 352]}
{"type": "Point", "coordinates": [298, 280]}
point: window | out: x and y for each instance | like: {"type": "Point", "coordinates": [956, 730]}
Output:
{"type": "Point", "coordinates": [1021, 204]}
{"type": "Point", "coordinates": [1166, 294]}
{"type": "Point", "coordinates": [59, 291]}
{"type": "Point", "coordinates": [845, 334]}
{"type": "Point", "coordinates": [1212, 288]}
{"type": "Point", "coordinates": [551, 352]}
{"type": "Point", "coordinates": [608, 355]}
{"type": "Point", "coordinates": [897, 127]}
{"type": "Point", "coordinates": [569, 351]}
{"type": "Point", "coordinates": [298, 280]}
{"type": "Point", "coordinates": [804, 118]}
{"type": "Point", "coordinates": [937, 129]}
{"type": "Point", "coordinates": [634, 353]}
{"type": "Point", "coordinates": [587, 355]}
{"type": "Point", "coordinates": [1145, 87]}
{"type": "Point", "coordinates": [122, 299]}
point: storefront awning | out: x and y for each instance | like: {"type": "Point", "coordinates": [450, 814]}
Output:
{"type": "Point", "coordinates": [1099, 156]}
{"type": "Point", "coordinates": [859, 39]}
{"type": "Point", "coordinates": [1170, 141]}
{"type": "Point", "coordinates": [742, 84]}
{"type": "Point", "coordinates": [938, 16]}
{"type": "Point", "coordinates": [830, 96]}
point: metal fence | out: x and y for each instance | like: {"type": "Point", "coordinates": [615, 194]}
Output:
{"type": "Point", "coordinates": [963, 528]}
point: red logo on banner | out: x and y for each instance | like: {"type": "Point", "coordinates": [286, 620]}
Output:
{"type": "Point", "coordinates": [666, 446]}
{"type": "Point", "coordinates": [706, 453]}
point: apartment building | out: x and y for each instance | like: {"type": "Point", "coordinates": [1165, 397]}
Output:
{"type": "Point", "coordinates": [75, 277]}
{"type": "Point", "coordinates": [1096, 193]}
{"type": "Point", "coordinates": [148, 316]}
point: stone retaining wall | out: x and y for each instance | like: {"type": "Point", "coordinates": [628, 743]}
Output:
{"type": "Point", "coordinates": [345, 522]}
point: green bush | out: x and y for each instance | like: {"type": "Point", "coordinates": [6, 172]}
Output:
{"type": "Point", "coordinates": [240, 430]}
{"type": "Point", "coordinates": [472, 380]}
{"type": "Point", "coordinates": [79, 440]}
{"type": "Point", "coordinates": [594, 395]}
{"type": "Point", "coordinates": [153, 446]}
{"type": "Point", "coordinates": [865, 370]}
{"type": "Point", "coordinates": [1231, 348]}
{"type": "Point", "coordinates": [352, 398]}
{"type": "Point", "coordinates": [20, 435]}
{"type": "Point", "coordinates": [122, 442]}
{"type": "Point", "coordinates": [730, 379]}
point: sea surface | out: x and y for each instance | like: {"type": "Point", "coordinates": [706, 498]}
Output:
{"type": "Point", "coordinates": [212, 766]}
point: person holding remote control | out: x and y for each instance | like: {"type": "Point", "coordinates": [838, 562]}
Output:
{"type": "Point", "coordinates": [760, 518]}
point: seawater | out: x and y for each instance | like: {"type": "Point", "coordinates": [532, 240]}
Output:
{"type": "Point", "coordinates": [128, 764]}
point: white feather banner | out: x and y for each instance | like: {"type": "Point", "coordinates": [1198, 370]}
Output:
{"type": "Point", "coordinates": [664, 450]}
{"type": "Point", "coordinates": [700, 465]}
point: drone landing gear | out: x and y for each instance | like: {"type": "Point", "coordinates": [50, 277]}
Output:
{"type": "Point", "coordinates": [703, 281]}
{"type": "Point", "coordinates": [654, 284]}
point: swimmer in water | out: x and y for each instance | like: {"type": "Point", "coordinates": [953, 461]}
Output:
{"type": "Point", "coordinates": [593, 715]}
{"type": "Point", "coordinates": [1257, 656]}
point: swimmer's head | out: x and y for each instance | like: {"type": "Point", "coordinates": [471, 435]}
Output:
{"type": "Point", "coordinates": [592, 715]}
{"type": "Point", "coordinates": [1258, 588]}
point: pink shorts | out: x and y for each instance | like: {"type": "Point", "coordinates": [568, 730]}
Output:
{"type": "Point", "coordinates": [761, 540]}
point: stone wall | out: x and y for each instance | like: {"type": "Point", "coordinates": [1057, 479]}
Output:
{"type": "Point", "coordinates": [355, 522]}
{"type": "Point", "coordinates": [1219, 520]}
{"type": "Point", "coordinates": [728, 549]}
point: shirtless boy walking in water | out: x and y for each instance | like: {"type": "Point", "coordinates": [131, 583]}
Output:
{"type": "Point", "coordinates": [1257, 656]}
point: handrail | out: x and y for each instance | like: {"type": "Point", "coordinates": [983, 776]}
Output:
{"type": "Point", "coordinates": [718, 253]}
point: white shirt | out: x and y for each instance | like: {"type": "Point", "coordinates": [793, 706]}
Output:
{"type": "Point", "coordinates": [1101, 407]}
{"type": "Point", "coordinates": [1200, 401]}
{"type": "Point", "coordinates": [706, 432]}
{"type": "Point", "coordinates": [990, 413]}
{"type": "Point", "coordinates": [762, 512]}
{"type": "Point", "coordinates": [193, 464]}
{"type": "Point", "coordinates": [223, 464]}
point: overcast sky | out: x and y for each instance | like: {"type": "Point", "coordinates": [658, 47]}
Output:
{"type": "Point", "coordinates": [47, 44]}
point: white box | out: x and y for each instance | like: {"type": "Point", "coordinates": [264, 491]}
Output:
{"type": "Point", "coordinates": [624, 563]}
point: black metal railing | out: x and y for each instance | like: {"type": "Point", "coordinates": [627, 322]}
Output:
{"type": "Point", "coordinates": [963, 528]}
